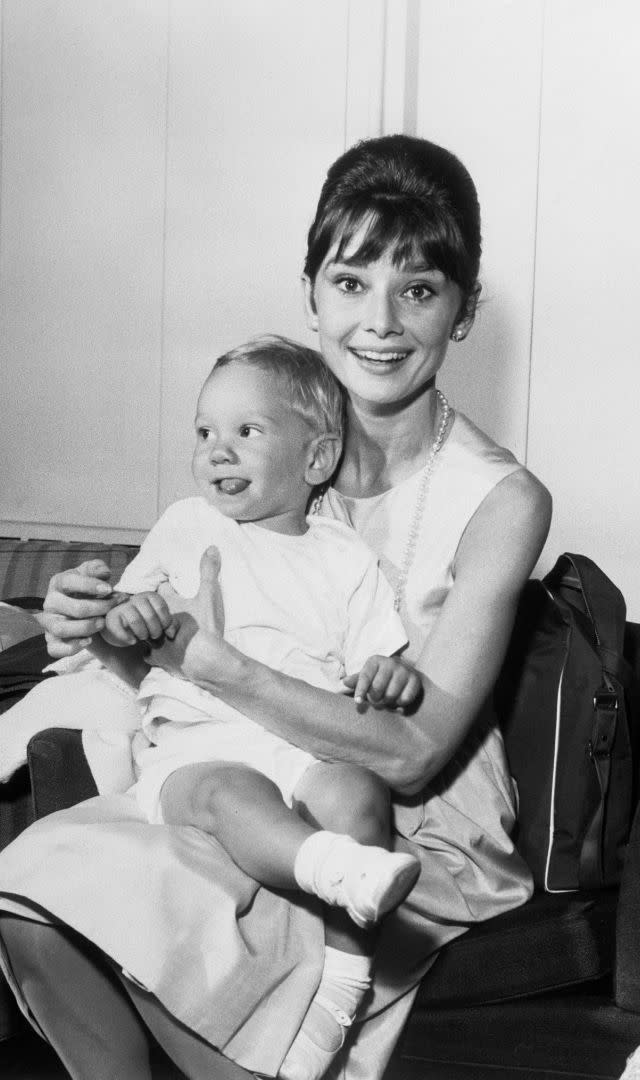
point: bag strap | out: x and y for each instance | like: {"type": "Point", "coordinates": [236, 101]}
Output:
{"type": "Point", "coordinates": [602, 599]}
{"type": "Point", "coordinates": [617, 665]}
{"type": "Point", "coordinates": [603, 732]}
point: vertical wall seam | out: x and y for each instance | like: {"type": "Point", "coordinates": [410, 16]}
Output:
{"type": "Point", "coordinates": [345, 120]}
{"type": "Point", "coordinates": [536, 206]}
{"type": "Point", "coordinates": [383, 67]}
{"type": "Point", "coordinates": [163, 286]}
{"type": "Point", "coordinates": [411, 68]}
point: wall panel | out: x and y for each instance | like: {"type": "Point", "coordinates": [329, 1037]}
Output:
{"type": "Point", "coordinates": [81, 212]}
{"type": "Point", "coordinates": [584, 432]}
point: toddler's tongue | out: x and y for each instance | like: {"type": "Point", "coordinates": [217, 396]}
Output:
{"type": "Point", "coordinates": [232, 485]}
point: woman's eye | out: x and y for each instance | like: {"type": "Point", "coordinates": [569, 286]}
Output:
{"type": "Point", "coordinates": [419, 292]}
{"type": "Point", "coordinates": [348, 284]}
{"type": "Point", "coordinates": [248, 431]}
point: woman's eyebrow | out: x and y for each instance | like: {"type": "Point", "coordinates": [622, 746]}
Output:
{"type": "Point", "coordinates": [356, 263]}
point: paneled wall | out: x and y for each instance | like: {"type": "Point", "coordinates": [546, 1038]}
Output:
{"type": "Point", "coordinates": [160, 164]}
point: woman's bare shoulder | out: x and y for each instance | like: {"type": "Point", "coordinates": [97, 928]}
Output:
{"type": "Point", "coordinates": [508, 530]}
{"type": "Point", "coordinates": [522, 493]}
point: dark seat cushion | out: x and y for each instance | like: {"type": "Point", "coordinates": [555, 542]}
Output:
{"type": "Point", "coordinates": [550, 942]}
{"type": "Point", "coordinates": [574, 1034]}
{"type": "Point", "coordinates": [60, 774]}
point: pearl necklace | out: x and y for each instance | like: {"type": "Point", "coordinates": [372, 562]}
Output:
{"type": "Point", "coordinates": [421, 499]}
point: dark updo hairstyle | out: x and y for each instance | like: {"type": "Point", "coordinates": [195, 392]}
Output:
{"type": "Point", "coordinates": [413, 198]}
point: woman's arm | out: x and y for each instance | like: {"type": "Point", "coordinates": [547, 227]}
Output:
{"type": "Point", "coordinates": [458, 666]}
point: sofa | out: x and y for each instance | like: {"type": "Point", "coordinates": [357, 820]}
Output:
{"type": "Point", "coordinates": [551, 990]}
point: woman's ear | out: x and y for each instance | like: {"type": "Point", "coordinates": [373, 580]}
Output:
{"type": "Point", "coordinates": [323, 457]}
{"type": "Point", "coordinates": [467, 314]}
{"type": "Point", "coordinates": [309, 303]}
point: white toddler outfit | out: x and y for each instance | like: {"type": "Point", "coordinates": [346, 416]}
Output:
{"type": "Point", "coordinates": [313, 606]}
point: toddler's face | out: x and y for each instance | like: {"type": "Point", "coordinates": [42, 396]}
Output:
{"type": "Point", "coordinates": [252, 449]}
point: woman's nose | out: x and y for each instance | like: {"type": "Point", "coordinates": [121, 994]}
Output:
{"type": "Point", "coordinates": [381, 315]}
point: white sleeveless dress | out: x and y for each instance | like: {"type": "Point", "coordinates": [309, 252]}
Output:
{"type": "Point", "coordinates": [235, 962]}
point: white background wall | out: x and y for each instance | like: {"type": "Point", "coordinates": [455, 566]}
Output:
{"type": "Point", "coordinates": [160, 164]}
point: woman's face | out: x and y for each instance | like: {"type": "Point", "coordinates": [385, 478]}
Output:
{"type": "Point", "coordinates": [383, 330]}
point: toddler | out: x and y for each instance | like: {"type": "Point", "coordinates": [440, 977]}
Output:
{"type": "Point", "coordinates": [304, 595]}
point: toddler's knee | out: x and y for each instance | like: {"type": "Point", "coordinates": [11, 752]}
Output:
{"type": "Point", "coordinates": [356, 802]}
{"type": "Point", "coordinates": [200, 795]}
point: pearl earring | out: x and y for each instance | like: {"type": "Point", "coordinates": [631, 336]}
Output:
{"type": "Point", "coordinates": [457, 335]}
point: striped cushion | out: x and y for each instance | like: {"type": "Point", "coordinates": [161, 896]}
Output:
{"type": "Point", "coordinates": [26, 566]}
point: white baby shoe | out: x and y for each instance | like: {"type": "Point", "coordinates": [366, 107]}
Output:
{"type": "Point", "coordinates": [367, 882]}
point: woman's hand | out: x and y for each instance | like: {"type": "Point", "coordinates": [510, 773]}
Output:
{"type": "Point", "coordinates": [197, 629]}
{"type": "Point", "coordinates": [75, 607]}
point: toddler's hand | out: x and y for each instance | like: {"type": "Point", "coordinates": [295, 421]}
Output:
{"type": "Point", "coordinates": [142, 617]}
{"type": "Point", "coordinates": [385, 681]}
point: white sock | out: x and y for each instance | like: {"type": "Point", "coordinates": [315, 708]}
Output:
{"type": "Point", "coordinates": [346, 977]}
{"type": "Point", "coordinates": [312, 854]}
{"type": "Point", "coordinates": [367, 881]}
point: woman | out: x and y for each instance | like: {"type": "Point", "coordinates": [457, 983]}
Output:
{"type": "Point", "coordinates": [391, 277]}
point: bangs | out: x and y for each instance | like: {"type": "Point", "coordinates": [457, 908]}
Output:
{"type": "Point", "coordinates": [414, 233]}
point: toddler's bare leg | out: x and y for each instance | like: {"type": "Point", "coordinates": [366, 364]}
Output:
{"type": "Point", "coordinates": [350, 800]}
{"type": "Point", "coordinates": [245, 811]}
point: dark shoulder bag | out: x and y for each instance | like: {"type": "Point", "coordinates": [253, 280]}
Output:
{"type": "Point", "coordinates": [564, 698]}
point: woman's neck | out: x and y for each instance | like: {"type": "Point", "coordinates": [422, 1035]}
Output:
{"type": "Point", "coordinates": [382, 448]}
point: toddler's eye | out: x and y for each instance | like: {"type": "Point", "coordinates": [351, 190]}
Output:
{"type": "Point", "coordinates": [248, 431]}
{"type": "Point", "coordinates": [204, 433]}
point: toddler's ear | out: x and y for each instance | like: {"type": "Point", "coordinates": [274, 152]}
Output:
{"type": "Point", "coordinates": [323, 458]}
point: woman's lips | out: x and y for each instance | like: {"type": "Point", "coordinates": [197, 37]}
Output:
{"type": "Point", "coordinates": [376, 356]}
{"type": "Point", "coordinates": [231, 485]}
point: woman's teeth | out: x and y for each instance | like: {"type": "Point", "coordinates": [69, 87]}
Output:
{"type": "Point", "coordinates": [232, 485]}
{"type": "Point", "coordinates": [379, 357]}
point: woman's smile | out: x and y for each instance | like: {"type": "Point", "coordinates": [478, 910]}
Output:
{"type": "Point", "coordinates": [382, 358]}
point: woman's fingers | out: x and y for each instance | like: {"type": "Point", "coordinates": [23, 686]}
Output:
{"type": "Point", "coordinates": [57, 648]}
{"type": "Point", "coordinates": [75, 605]}
{"type": "Point", "coordinates": [80, 593]}
{"type": "Point", "coordinates": [208, 610]}
{"type": "Point", "coordinates": [91, 568]}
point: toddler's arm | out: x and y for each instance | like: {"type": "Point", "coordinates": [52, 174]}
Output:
{"type": "Point", "coordinates": [142, 616]}
{"type": "Point", "coordinates": [387, 681]}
